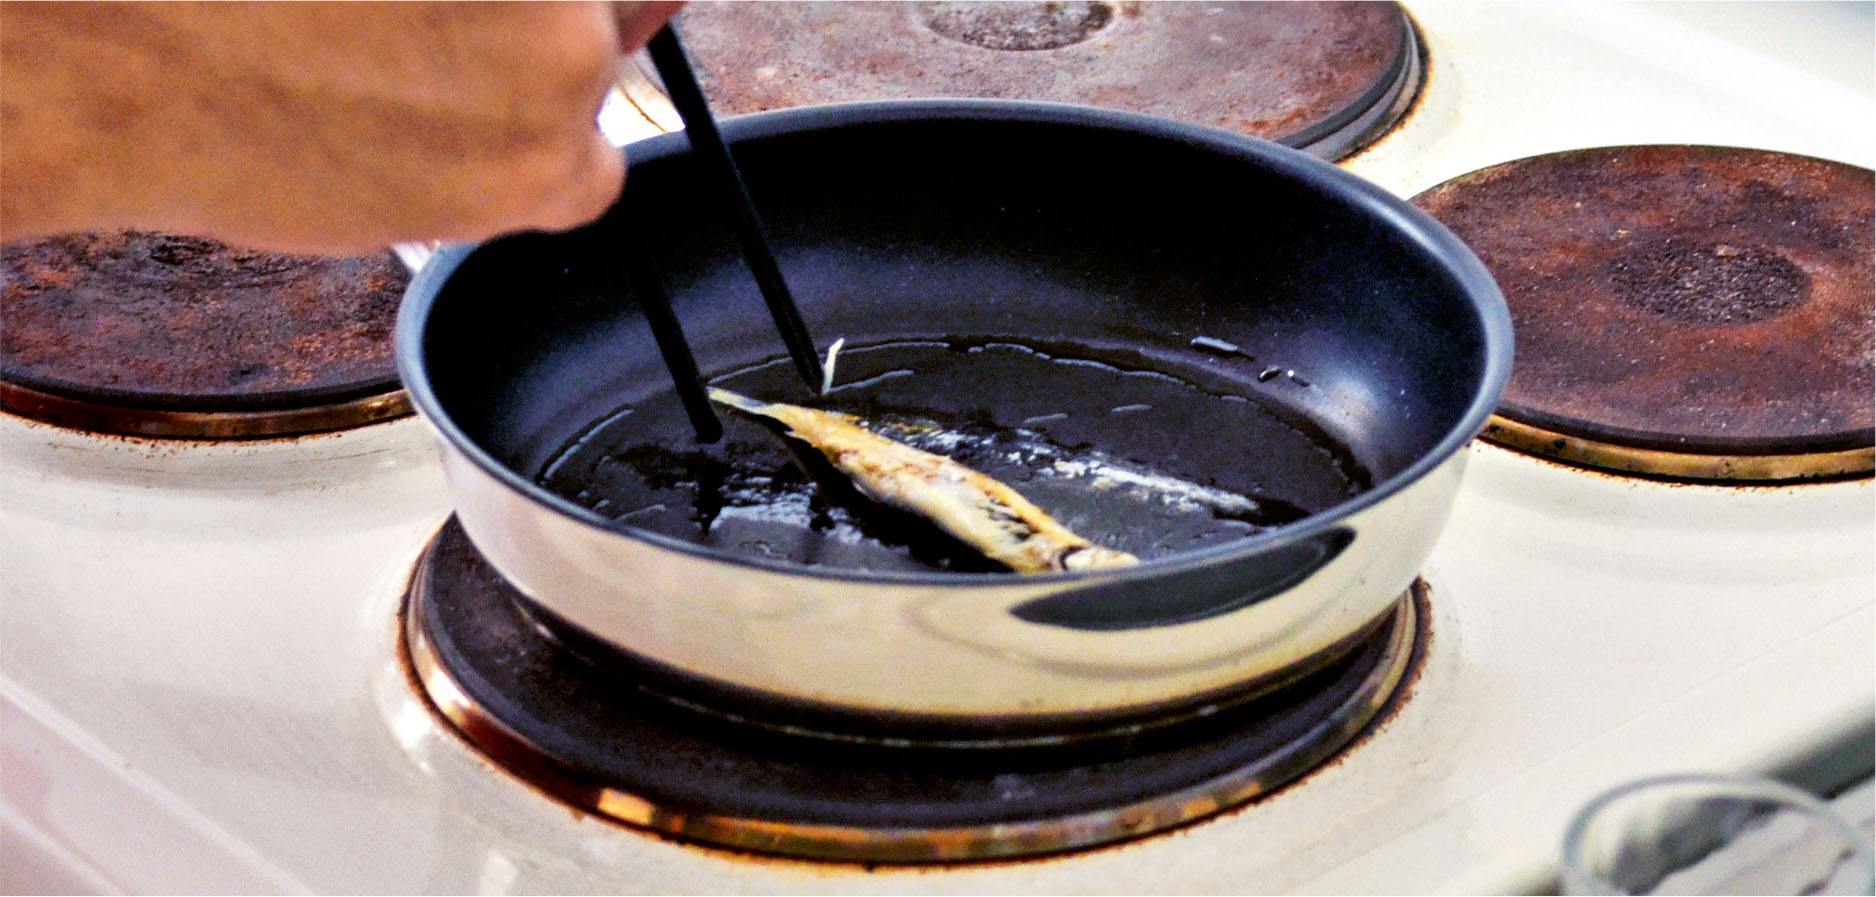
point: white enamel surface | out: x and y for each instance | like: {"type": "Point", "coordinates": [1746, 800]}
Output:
{"type": "Point", "coordinates": [198, 691]}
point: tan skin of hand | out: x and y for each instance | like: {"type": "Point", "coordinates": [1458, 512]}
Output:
{"type": "Point", "coordinates": [310, 127]}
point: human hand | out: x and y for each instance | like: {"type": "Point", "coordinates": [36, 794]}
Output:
{"type": "Point", "coordinates": [310, 127]}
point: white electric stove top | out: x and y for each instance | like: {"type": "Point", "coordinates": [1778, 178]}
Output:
{"type": "Point", "coordinates": [199, 688]}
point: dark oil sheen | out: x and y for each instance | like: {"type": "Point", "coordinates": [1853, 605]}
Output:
{"type": "Point", "coordinates": [1134, 459]}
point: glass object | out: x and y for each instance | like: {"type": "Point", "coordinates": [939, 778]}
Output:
{"type": "Point", "coordinates": [1700, 834]}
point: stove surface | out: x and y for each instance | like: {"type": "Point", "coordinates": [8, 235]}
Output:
{"type": "Point", "coordinates": [200, 690]}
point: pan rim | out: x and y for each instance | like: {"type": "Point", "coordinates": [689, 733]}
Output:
{"type": "Point", "coordinates": [1416, 226]}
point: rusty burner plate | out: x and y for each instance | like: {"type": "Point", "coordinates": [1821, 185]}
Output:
{"type": "Point", "coordinates": [592, 735]}
{"type": "Point", "coordinates": [1324, 77]}
{"type": "Point", "coordinates": [1682, 311]}
{"type": "Point", "coordinates": [163, 335]}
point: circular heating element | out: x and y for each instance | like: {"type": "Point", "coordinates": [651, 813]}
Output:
{"type": "Point", "coordinates": [590, 735]}
{"type": "Point", "coordinates": [162, 335]}
{"type": "Point", "coordinates": [1322, 77]}
{"type": "Point", "coordinates": [1681, 311]}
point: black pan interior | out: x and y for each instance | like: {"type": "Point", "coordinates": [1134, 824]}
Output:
{"type": "Point", "coordinates": [1114, 238]}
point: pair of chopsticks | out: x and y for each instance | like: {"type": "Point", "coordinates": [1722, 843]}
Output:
{"type": "Point", "coordinates": [706, 142]}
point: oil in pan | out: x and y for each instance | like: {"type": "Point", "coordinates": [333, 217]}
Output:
{"type": "Point", "coordinates": [1132, 457]}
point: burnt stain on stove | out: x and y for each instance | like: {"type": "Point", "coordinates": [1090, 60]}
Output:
{"type": "Point", "coordinates": [1708, 300]}
{"type": "Point", "coordinates": [1412, 106]}
{"type": "Point", "coordinates": [163, 321]}
{"type": "Point", "coordinates": [1000, 25]}
{"type": "Point", "coordinates": [1709, 283]}
{"type": "Point", "coordinates": [1643, 478]}
{"type": "Point", "coordinates": [1269, 70]}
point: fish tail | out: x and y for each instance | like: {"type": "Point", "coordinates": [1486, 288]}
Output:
{"type": "Point", "coordinates": [738, 402]}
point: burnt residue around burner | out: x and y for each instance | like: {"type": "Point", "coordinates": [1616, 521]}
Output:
{"type": "Point", "coordinates": [1710, 283]}
{"type": "Point", "coordinates": [164, 321]}
{"type": "Point", "coordinates": [1704, 300]}
{"type": "Point", "coordinates": [1016, 24]}
{"type": "Point", "coordinates": [1137, 460]}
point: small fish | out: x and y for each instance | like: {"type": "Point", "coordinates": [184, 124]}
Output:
{"type": "Point", "coordinates": [978, 510]}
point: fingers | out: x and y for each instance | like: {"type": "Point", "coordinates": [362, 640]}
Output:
{"type": "Point", "coordinates": [313, 127]}
{"type": "Point", "coordinates": [569, 173]}
{"type": "Point", "coordinates": [595, 173]}
{"type": "Point", "coordinates": [592, 179]}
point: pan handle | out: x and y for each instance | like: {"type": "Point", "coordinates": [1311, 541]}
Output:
{"type": "Point", "coordinates": [1192, 594]}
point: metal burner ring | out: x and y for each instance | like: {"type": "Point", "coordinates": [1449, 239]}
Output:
{"type": "Point", "coordinates": [173, 424]}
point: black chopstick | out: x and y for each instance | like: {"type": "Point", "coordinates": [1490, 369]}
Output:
{"type": "Point", "coordinates": [648, 282]}
{"type": "Point", "coordinates": [673, 64]}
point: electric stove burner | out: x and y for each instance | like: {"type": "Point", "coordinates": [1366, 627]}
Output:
{"type": "Point", "coordinates": [162, 335]}
{"type": "Point", "coordinates": [1682, 311]}
{"type": "Point", "coordinates": [1323, 77]}
{"type": "Point", "coordinates": [587, 734]}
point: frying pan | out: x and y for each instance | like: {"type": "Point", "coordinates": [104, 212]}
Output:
{"type": "Point", "coordinates": [1151, 244]}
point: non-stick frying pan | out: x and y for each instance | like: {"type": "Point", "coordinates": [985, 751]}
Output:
{"type": "Point", "coordinates": [1297, 327]}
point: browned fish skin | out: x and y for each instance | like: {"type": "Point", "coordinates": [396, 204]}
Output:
{"type": "Point", "coordinates": [978, 510]}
